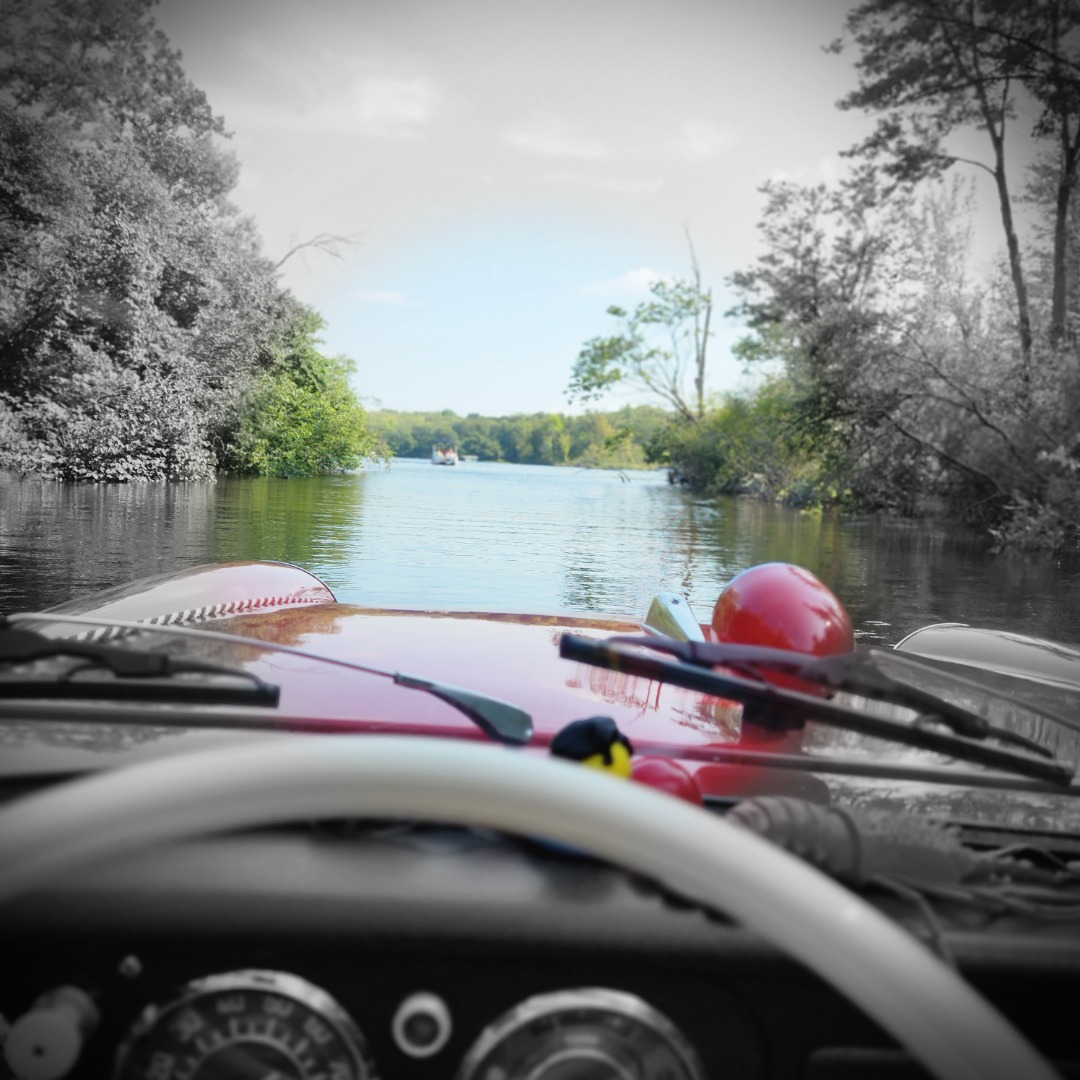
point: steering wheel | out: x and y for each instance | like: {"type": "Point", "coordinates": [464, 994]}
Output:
{"type": "Point", "coordinates": [891, 976]}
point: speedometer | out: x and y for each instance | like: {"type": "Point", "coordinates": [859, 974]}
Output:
{"type": "Point", "coordinates": [591, 1033]}
{"type": "Point", "coordinates": [246, 1024]}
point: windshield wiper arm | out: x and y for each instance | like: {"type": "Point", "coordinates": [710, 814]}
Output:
{"type": "Point", "coordinates": [115, 673]}
{"type": "Point", "coordinates": [776, 706]}
{"type": "Point", "coordinates": [499, 720]}
{"type": "Point", "coordinates": [862, 673]}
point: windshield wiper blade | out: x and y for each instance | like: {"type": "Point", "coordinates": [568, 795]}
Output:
{"type": "Point", "coordinates": [499, 720]}
{"type": "Point", "coordinates": [863, 673]}
{"type": "Point", "coordinates": [776, 706]}
{"type": "Point", "coordinates": [116, 673]}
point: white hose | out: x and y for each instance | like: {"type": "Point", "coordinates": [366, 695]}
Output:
{"type": "Point", "coordinates": [926, 1006]}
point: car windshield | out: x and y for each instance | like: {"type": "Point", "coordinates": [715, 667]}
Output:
{"type": "Point", "coordinates": [541, 311]}
{"type": "Point", "coordinates": [866, 748]}
{"type": "Point", "coordinates": [539, 540]}
{"type": "Point", "coordinates": [756, 251]}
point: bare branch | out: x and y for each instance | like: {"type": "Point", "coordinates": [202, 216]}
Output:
{"type": "Point", "coordinates": [972, 161]}
{"type": "Point", "coordinates": [989, 30]}
{"type": "Point", "coordinates": [327, 243]}
{"type": "Point", "coordinates": [945, 456]}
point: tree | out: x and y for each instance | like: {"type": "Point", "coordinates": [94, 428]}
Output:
{"type": "Point", "coordinates": [300, 417]}
{"type": "Point", "coordinates": [134, 300]}
{"type": "Point", "coordinates": [110, 283]}
{"type": "Point", "coordinates": [98, 66]}
{"type": "Point", "coordinates": [816, 300]}
{"type": "Point", "coordinates": [659, 344]}
{"type": "Point", "coordinates": [932, 67]}
{"type": "Point", "coordinates": [899, 378]}
{"type": "Point", "coordinates": [597, 440]}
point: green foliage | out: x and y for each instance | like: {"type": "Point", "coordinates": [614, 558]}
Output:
{"type": "Point", "coordinates": [907, 385]}
{"type": "Point", "coordinates": [994, 66]}
{"type": "Point", "coordinates": [602, 364]}
{"type": "Point", "coordinates": [100, 65]}
{"type": "Point", "coordinates": [301, 417]}
{"type": "Point", "coordinates": [656, 344]}
{"type": "Point", "coordinates": [121, 428]}
{"type": "Point", "coordinates": [290, 429]}
{"type": "Point", "coordinates": [900, 381]}
{"type": "Point", "coordinates": [138, 318]}
{"type": "Point", "coordinates": [753, 444]}
{"type": "Point", "coordinates": [929, 68]}
{"type": "Point", "coordinates": [600, 440]}
{"type": "Point", "coordinates": [111, 282]}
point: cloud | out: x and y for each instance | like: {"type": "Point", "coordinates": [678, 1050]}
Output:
{"type": "Point", "coordinates": [701, 140]}
{"type": "Point", "coordinates": [395, 101]}
{"type": "Point", "coordinates": [392, 108]}
{"type": "Point", "coordinates": [621, 184]}
{"type": "Point", "coordinates": [637, 281]}
{"type": "Point", "coordinates": [545, 135]}
{"type": "Point", "coordinates": [380, 107]}
{"type": "Point", "coordinates": [826, 170]}
{"type": "Point", "coordinates": [381, 296]}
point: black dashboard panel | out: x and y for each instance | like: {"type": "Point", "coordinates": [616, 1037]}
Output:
{"type": "Point", "coordinates": [374, 914]}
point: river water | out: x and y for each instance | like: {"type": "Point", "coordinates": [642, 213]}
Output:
{"type": "Point", "coordinates": [490, 536]}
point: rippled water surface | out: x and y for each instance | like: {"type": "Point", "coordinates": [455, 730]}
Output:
{"type": "Point", "coordinates": [517, 537]}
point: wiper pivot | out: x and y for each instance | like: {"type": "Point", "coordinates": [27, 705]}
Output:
{"type": "Point", "coordinates": [498, 720]}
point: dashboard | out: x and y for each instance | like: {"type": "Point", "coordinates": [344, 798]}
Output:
{"type": "Point", "coordinates": [340, 951]}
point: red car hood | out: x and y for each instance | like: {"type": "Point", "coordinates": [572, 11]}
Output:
{"type": "Point", "coordinates": [508, 656]}
{"type": "Point", "coordinates": [511, 657]}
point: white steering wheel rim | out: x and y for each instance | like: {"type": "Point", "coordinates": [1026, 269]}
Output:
{"type": "Point", "coordinates": [891, 976]}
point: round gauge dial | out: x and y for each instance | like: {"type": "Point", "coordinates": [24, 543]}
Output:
{"type": "Point", "coordinates": [587, 1034]}
{"type": "Point", "coordinates": [246, 1025]}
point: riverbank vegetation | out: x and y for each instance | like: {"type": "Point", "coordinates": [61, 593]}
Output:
{"type": "Point", "coordinates": [611, 440]}
{"type": "Point", "coordinates": [892, 373]}
{"type": "Point", "coordinates": [143, 334]}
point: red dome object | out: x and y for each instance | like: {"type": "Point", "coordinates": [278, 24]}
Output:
{"type": "Point", "coordinates": [782, 606]}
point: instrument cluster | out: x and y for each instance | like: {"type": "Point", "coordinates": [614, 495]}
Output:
{"type": "Point", "coordinates": [260, 1023]}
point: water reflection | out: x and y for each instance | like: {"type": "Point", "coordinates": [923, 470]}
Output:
{"type": "Point", "coordinates": [716, 719]}
{"type": "Point", "coordinates": [894, 576]}
{"type": "Point", "coordinates": [61, 540]}
{"type": "Point", "coordinates": [310, 522]}
{"type": "Point", "coordinates": [518, 538]}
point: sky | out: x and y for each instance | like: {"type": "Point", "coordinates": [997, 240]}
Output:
{"type": "Point", "coordinates": [507, 169]}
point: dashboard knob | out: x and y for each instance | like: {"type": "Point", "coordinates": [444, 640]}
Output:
{"type": "Point", "coordinates": [422, 1025]}
{"type": "Point", "coordinates": [45, 1043]}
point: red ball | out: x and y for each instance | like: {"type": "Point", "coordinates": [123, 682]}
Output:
{"type": "Point", "coordinates": [782, 606]}
{"type": "Point", "coordinates": [669, 776]}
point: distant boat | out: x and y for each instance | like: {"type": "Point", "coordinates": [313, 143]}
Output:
{"type": "Point", "coordinates": [444, 455]}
